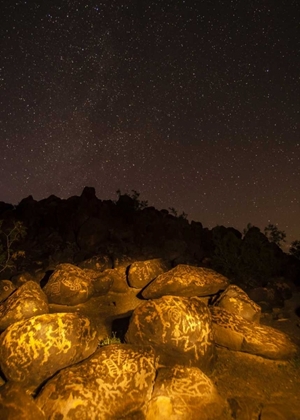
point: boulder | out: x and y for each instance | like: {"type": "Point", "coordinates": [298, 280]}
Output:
{"type": "Point", "coordinates": [68, 285]}
{"type": "Point", "coordinates": [182, 393]}
{"type": "Point", "coordinates": [185, 280]}
{"type": "Point", "coordinates": [236, 301]}
{"type": "Point", "coordinates": [116, 382]}
{"type": "Point", "coordinates": [117, 276]}
{"type": "Point", "coordinates": [100, 284]}
{"type": "Point", "coordinates": [15, 403]}
{"type": "Point", "coordinates": [27, 301]}
{"type": "Point", "coordinates": [140, 273]}
{"type": "Point", "coordinates": [6, 289]}
{"type": "Point", "coordinates": [178, 328]}
{"type": "Point", "coordinates": [22, 278]}
{"type": "Point", "coordinates": [236, 333]}
{"type": "Point", "coordinates": [31, 351]}
{"type": "Point", "coordinates": [97, 263]}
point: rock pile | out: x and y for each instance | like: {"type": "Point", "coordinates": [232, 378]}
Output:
{"type": "Point", "coordinates": [178, 316]}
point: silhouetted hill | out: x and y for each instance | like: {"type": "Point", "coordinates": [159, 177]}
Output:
{"type": "Point", "coordinates": [81, 227]}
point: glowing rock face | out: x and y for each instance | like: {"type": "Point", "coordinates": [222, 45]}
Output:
{"type": "Point", "coordinates": [29, 300]}
{"type": "Point", "coordinates": [31, 351]}
{"type": "Point", "coordinates": [236, 333]}
{"type": "Point", "coordinates": [68, 285]}
{"type": "Point", "coordinates": [16, 404]}
{"type": "Point", "coordinates": [179, 328]}
{"type": "Point", "coordinates": [185, 280]}
{"type": "Point", "coordinates": [186, 394]}
{"type": "Point", "coordinates": [142, 272]}
{"type": "Point", "coordinates": [116, 382]}
{"type": "Point", "coordinates": [6, 289]}
{"type": "Point", "coordinates": [235, 300]}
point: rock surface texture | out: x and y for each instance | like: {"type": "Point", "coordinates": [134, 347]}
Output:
{"type": "Point", "coordinates": [186, 394]}
{"type": "Point", "coordinates": [27, 301]}
{"type": "Point", "coordinates": [31, 351]}
{"type": "Point", "coordinates": [185, 280]}
{"type": "Point", "coordinates": [236, 333]}
{"type": "Point", "coordinates": [174, 322]}
{"type": "Point", "coordinates": [16, 404]}
{"type": "Point", "coordinates": [179, 328]}
{"type": "Point", "coordinates": [116, 382]}
{"type": "Point", "coordinates": [235, 300]}
{"type": "Point", "coordinates": [71, 285]}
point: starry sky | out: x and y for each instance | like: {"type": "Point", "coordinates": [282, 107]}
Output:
{"type": "Point", "coordinates": [194, 104]}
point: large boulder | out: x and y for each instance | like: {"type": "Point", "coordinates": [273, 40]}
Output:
{"type": "Point", "coordinates": [31, 351]}
{"type": "Point", "coordinates": [182, 393]}
{"type": "Point", "coordinates": [140, 273]}
{"type": "Point", "coordinates": [117, 276]}
{"type": "Point", "coordinates": [16, 404]}
{"type": "Point", "coordinates": [100, 285]}
{"type": "Point", "coordinates": [236, 333]}
{"type": "Point", "coordinates": [27, 301]}
{"type": "Point", "coordinates": [116, 382]}
{"type": "Point", "coordinates": [178, 328]}
{"type": "Point", "coordinates": [235, 300]}
{"type": "Point", "coordinates": [185, 280]}
{"type": "Point", "coordinates": [6, 289]}
{"type": "Point", "coordinates": [69, 285]}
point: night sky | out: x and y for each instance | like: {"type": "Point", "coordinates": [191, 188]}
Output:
{"type": "Point", "coordinates": [194, 104]}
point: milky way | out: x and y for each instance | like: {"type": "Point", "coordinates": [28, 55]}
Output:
{"type": "Point", "coordinates": [194, 104]}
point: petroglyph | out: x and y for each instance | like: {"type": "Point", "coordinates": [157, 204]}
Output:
{"type": "Point", "coordinates": [184, 280]}
{"type": "Point", "coordinates": [235, 332]}
{"type": "Point", "coordinates": [34, 349]}
{"type": "Point", "coordinates": [171, 322]}
{"type": "Point", "coordinates": [113, 382]}
{"type": "Point", "coordinates": [142, 272]}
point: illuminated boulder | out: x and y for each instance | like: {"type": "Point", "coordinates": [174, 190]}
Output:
{"type": "Point", "coordinates": [140, 273]}
{"type": "Point", "coordinates": [185, 280]}
{"type": "Point", "coordinates": [68, 285]}
{"type": "Point", "coordinates": [178, 328]}
{"type": "Point", "coordinates": [16, 404]}
{"type": "Point", "coordinates": [116, 382]}
{"type": "Point", "coordinates": [235, 300]}
{"type": "Point", "coordinates": [31, 351]}
{"type": "Point", "coordinates": [118, 278]}
{"type": "Point", "coordinates": [182, 393]}
{"type": "Point", "coordinates": [27, 301]}
{"type": "Point", "coordinates": [6, 289]}
{"type": "Point", "coordinates": [100, 285]}
{"type": "Point", "coordinates": [236, 333]}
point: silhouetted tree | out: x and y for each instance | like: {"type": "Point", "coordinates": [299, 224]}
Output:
{"type": "Point", "coordinates": [274, 234]}
{"type": "Point", "coordinates": [133, 198]}
{"type": "Point", "coordinates": [226, 255]}
{"type": "Point", "coordinates": [245, 230]}
{"type": "Point", "coordinates": [295, 249]}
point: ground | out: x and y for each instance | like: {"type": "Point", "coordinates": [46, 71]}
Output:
{"type": "Point", "coordinates": [256, 381]}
